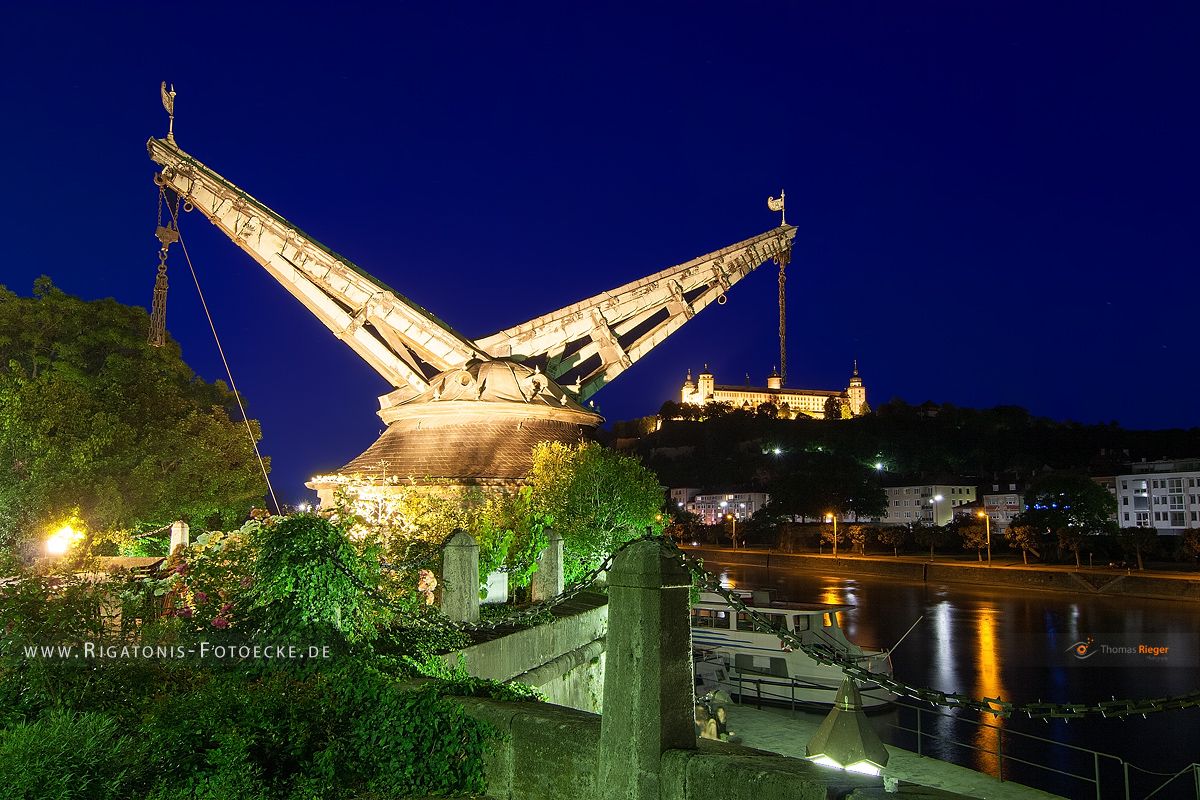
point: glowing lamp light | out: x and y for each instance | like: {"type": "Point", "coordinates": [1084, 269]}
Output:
{"type": "Point", "coordinates": [879, 466]}
{"type": "Point", "coordinates": [62, 540]}
{"type": "Point", "coordinates": [845, 739]}
{"type": "Point", "coordinates": [776, 451]}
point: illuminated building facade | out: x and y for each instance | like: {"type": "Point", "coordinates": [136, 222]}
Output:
{"type": "Point", "coordinates": [1164, 495]}
{"type": "Point", "coordinates": [930, 504]}
{"type": "Point", "coordinates": [713, 507]}
{"type": "Point", "coordinates": [790, 403]}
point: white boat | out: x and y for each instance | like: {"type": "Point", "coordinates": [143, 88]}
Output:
{"type": "Point", "coordinates": [732, 656]}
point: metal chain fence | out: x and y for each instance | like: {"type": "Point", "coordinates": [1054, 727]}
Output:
{"type": "Point", "coordinates": [819, 652]}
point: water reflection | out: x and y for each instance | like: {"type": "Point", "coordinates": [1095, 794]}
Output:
{"type": "Point", "coordinates": [988, 642]}
{"type": "Point", "coordinates": [987, 737]}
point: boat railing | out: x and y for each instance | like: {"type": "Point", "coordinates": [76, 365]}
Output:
{"type": "Point", "coordinates": [1095, 769]}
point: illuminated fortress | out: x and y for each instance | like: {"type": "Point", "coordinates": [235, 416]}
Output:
{"type": "Point", "coordinates": [790, 403]}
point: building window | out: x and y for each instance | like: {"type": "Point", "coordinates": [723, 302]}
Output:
{"type": "Point", "coordinates": [1176, 502]}
{"type": "Point", "coordinates": [1142, 518]}
{"type": "Point", "coordinates": [1124, 501]}
{"type": "Point", "coordinates": [1124, 484]}
{"type": "Point", "coordinates": [1177, 519]}
{"type": "Point", "coordinates": [1175, 485]}
{"type": "Point", "coordinates": [1127, 516]}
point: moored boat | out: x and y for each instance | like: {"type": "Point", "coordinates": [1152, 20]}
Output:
{"type": "Point", "coordinates": [731, 655]}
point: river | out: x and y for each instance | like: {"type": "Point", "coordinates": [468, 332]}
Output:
{"type": "Point", "coordinates": [1017, 645]}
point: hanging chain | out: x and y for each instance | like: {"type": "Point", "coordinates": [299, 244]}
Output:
{"type": "Point", "coordinates": [850, 665]}
{"type": "Point", "coordinates": [782, 260]}
{"type": "Point", "coordinates": [166, 235]}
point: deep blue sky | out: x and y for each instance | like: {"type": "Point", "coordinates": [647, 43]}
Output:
{"type": "Point", "coordinates": [996, 201]}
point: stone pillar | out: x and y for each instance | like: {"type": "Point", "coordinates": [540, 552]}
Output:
{"type": "Point", "coordinates": [460, 578]}
{"type": "Point", "coordinates": [648, 690]}
{"type": "Point", "coordinates": [548, 580]}
{"type": "Point", "coordinates": [180, 535]}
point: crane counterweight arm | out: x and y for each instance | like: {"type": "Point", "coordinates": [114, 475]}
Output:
{"type": "Point", "coordinates": [597, 339]}
{"type": "Point", "coordinates": [403, 342]}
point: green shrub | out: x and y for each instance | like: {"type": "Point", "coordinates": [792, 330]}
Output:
{"type": "Point", "coordinates": [65, 756]}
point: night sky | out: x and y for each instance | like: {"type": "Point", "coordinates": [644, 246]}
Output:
{"type": "Point", "coordinates": [996, 201]}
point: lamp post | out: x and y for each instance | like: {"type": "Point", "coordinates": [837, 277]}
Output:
{"type": "Point", "coordinates": [987, 521]}
{"type": "Point", "coordinates": [937, 498]}
{"type": "Point", "coordinates": [733, 535]}
{"type": "Point", "coordinates": [833, 516]}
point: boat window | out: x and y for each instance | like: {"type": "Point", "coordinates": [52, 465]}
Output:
{"type": "Point", "coordinates": [828, 619]}
{"type": "Point", "coordinates": [801, 622]}
{"type": "Point", "coordinates": [745, 623]}
{"type": "Point", "coordinates": [709, 618]}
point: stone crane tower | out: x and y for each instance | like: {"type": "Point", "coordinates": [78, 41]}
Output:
{"type": "Point", "coordinates": [463, 411]}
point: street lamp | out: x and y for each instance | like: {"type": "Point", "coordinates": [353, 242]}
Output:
{"type": "Point", "coordinates": [937, 498]}
{"type": "Point", "coordinates": [733, 535]}
{"type": "Point", "coordinates": [987, 521]}
{"type": "Point", "coordinates": [62, 540]}
{"type": "Point", "coordinates": [833, 516]}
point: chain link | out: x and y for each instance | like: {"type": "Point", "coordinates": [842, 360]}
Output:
{"type": "Point", "coordinates": [820, 652]}
{"type": "Point", "coordinates": [989, 705]}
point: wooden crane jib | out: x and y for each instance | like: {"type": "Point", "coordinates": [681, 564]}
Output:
{"type": "Point", "coordinates": [581, 347]}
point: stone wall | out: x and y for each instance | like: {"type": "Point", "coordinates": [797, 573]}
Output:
{"type": "Point", "coordinates": [548, 752]}
{"type": "Point", "coordinates": [564, 658]}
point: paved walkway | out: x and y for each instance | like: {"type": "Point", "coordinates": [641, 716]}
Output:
{"type": "Point", "coordinates": [784, 732]}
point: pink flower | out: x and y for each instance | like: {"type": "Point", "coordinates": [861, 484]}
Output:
{"type": "Point", "coordinates": [201, 597]}
{"type": "Point", "coordinates": [185, 612]}
{"type": "Point", "coordinates": [220, 622]}
{"type": "Point", "coordinates": [226, 608]}
{"type": "Point", "coordinates": [181, 569]}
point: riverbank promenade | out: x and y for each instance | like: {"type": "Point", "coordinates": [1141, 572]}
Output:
{"type": "Point", "coordinates": [1007, 571]}
{"type": "Point", "coordinates": [786, 732]}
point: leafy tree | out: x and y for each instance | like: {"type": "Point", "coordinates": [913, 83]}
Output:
{"type": "Point", "coordinates": [310, 580]}
{"type": "Point", "coordinates": [1189, 543]}
{"type": "Point", "coordinates": [762, 528]}
{"type": "Point", "coordinates": [768, 410]}
{"type": "Point", "coordinates": [98, 423]}
{"type": "Point", "coordinates": [932, 535]}
{"type": "Point", "coordinates": [833, 535]}
{"type": "Point", "coordinates": [683, 526]}
{"type": "Point", "coordinates": [1023, 536]}
{"type": "Point", "coordinates": [595, 497]}
{"type": "Point", "coordinates": [816, 484]}
{"type": "Point", "coordinates": [859, 536]}
{"type": "Point", "coordinates": [715, 410]}
{"type": "Point", "coordinates": [973, 532]}
{"type": "Point", "coordinates": [833, 408]}
{"type": "Point", "coordinates": [1140, 540]}
{"type": "Point", "coordinates": [895, 537]}
{"type": "Point", "coordinates": [1070, 507]}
